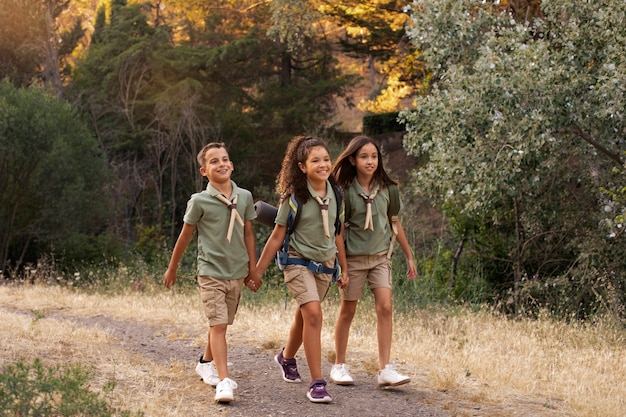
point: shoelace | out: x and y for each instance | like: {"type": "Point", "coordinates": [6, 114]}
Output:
{"type": "Point", "coordinates": [234, 214]}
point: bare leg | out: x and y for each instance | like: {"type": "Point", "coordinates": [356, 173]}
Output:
{"type": "Point", "coordinates": [294, 341]}
{"type": "Point", "coordinates": [219, 349]}
{"type": "Point", "coordinates": [383, 303]}
{"type": "Point", "coordinates": [208, 356]}
{"type": "Point", "coordinates": [342, 329]}
{"type": "Point", "coordinates": [312, 337]}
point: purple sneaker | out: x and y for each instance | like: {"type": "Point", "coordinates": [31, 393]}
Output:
{"type": "Point", "coordinates": [288, 368]}
{"type": "Point", "coordinates": [317, 392]}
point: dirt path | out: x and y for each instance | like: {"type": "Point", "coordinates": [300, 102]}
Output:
{"type": "Point", "coordinates": [262, 392]}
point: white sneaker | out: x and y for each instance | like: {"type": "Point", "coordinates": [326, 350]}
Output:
{"type": "Point", "coordinates": [208, 373]}
{"type": "Point", "coordinates": [389, 377]}
{"type": "Point", "coordinates": [340, 374]}
{"type": "Point", "coordinates": [224, 390]}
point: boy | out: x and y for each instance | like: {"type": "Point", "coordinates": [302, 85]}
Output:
{"type": "Point", "coordinates": [223, 215]}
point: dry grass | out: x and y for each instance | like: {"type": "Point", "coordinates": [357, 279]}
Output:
{"type": "Point", "coordinates": [579, 370]}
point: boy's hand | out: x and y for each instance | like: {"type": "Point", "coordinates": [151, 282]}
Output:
{"type": "Point", "coordinates": [169, 278]}
{"type": "Point", "coordinates": [253, 282]}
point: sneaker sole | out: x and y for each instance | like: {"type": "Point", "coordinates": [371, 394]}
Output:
{"type": "Point", "coordinates": [283, 372]}
{"type": "Point", "coordinates": [395, 384]}
{"type": "Point", "coordinates": [319, 400]}
{"type": "Point", "coordinates": [223, 399]}
{"type": "Point", "coordinates": [341, 382]}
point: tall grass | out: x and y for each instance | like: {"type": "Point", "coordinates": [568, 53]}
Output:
{"type": "Point", "coordinates": [540, 366]}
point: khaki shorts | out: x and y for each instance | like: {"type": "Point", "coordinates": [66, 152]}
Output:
{"type": "Point", "coordinates": [375, 269]}
{"type": "Point", "coordinates": [220, 298]}
{"type": "Point", "coordinates": [306, 286]}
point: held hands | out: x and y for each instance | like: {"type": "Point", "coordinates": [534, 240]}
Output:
{"type": "Point", "coordinates": [253, 281]}
{"type": "Point", "coordinates": [343, 280]}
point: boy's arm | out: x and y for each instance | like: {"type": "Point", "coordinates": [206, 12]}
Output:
{"type": "Point", "coordinates": [249, 241]}
{"type": "Point", "coordinates": [169, 278]}
{"type": "Point", "coordinates": [411, 271]}
{"type": "Point", "coordinates": [272, 246]}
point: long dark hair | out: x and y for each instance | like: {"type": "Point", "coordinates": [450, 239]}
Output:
{"type": "Point", "coordinates": [291, 178]}
{"type": "Point", "coordinates": [345, 173]}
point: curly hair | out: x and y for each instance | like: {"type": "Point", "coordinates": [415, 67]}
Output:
{"type": "Point", "coordinates": [291, 178]}
{"type": "Point", "coordinates": [344, 172]}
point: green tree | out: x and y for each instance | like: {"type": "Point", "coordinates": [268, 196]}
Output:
{"type": "Point", "coordinates": [522, 123]}
{"type": "Point", "coordinates": [156, 93]}
{"type": "Point", "coordinates": [375, 31]}
{"type": "Point", "coordinates": [36, 41]}
{"type": "Point", "coordinates": [51, 174]}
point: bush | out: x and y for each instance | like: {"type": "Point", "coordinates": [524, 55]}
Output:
{"type": "Point", "coordinates": [376, 124]}
{"type": "Point", "coordinates": [34, 390]}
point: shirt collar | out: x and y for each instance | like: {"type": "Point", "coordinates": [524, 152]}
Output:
{"type": "Point", "coordinates": [329, 195]}
{"type": "Point", "coordinates": [213, 192]}
{"type": "Point", "coordinates": [359, 190]}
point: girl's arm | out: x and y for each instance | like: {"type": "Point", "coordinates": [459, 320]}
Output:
{"type": "Point", "coordinates": [411, 271]}
{"type": "Point", "coordinates": [344, 279]}
{"type": "Point", "coordinates": [273, 244]}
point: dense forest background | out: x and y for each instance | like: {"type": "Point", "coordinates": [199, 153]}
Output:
{"type": "Point", "coordinates": [510, 115]}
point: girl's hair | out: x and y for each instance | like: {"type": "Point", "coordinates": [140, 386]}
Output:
{"type": "Point", "coordinates": [291, 178]}
{"type": "Point", "coordinates": [344, 172]}
{"type": "Point", "coordinates": [203, 151]}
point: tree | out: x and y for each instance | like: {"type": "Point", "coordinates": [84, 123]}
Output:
{"type": "Point", "coordinates": [522, 124]}
{"type": "Point", "coordinates": [372, 32]}
{"type": "Point", "coordinates": [375, 30]}
{"type": "Point", "coordinates": [34, 45]}
{"type": "Point", "coordinates": [157, 93]}
{"type": "Point", "coordinates": [51, 174]}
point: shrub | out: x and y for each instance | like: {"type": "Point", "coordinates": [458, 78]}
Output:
{"type": "Point", "coordinates": [35, 390]}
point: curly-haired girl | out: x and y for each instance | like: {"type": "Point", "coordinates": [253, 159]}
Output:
{"type": "Point", "coordinates": [306, 172]}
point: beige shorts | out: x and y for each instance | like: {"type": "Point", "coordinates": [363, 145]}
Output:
{"type": "Point", "coordinates": [375, 269]}
{"type": "Point", "coordinates": [220, 298]}
{"type": "Point", "coordinates": [306, 286]}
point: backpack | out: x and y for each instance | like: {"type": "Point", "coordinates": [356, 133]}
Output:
{"type": "Point", "coordinates": [392, 213]}
{"type": "Point", "coordinates": [282, 256]}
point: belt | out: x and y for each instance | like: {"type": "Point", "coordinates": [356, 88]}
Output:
{"type": "Point", "coordinates": [315, 267]}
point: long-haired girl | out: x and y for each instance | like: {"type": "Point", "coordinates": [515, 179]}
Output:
{"type": "Point", "coordinates": [369, 240]}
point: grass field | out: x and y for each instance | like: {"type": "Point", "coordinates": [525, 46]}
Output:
{"type": "Point", "coordinates": [562, 369]}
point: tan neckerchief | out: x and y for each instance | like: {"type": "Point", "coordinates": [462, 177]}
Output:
{"type": "Point", "coordinates": [324, 207]}
{"type": "Point", "coordinates": [234, 214]}
{"type": "Point", "coordinates": [369, 223]}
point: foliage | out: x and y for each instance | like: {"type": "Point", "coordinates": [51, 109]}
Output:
{"type": "Point", "coordinates": [36, 42]}
{"type": "Point", "coordinates": [522, 122]}
{"type": "Point", "coordinates": [36, 390]}
{"type": "Point", "coordinates": [375, 31]}
{"type": "Point", "coordinates": [156, 93]}
{"type": "Point", "coordinates": [375, 124]}
{"type": "Point", "coordinates": [52, 175]}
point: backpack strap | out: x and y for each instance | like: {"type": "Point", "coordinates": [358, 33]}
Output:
{"type": "Point", "coordinates": [392, 214]}
{"type": "Point", "coordinates": [340, 208]}
{"type": "Point", "coordinates": [282, 256]}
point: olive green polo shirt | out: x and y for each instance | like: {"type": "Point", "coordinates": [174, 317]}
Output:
{"type": "Point", "coordinates": [308, 238]}
{"type": "Point", "coordinates": [367, 242]}
{"type": "Point", "coordinates": [216, 256]}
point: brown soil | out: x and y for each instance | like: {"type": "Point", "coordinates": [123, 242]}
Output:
{"type": "Point", "coordinates": [261, 391]}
